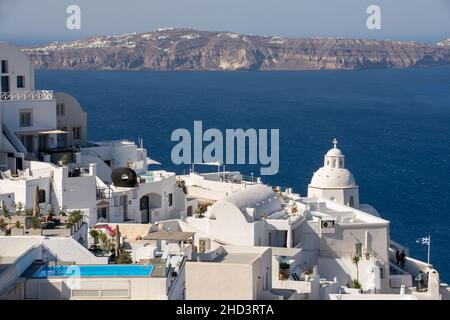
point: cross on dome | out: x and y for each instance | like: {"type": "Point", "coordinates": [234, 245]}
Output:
{"type": "Point", "coordinates": [335, 142]}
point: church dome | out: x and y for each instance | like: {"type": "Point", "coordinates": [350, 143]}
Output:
{"type": "Point", "coordinates": [327, 177]}
{"type": "Point", "coordinates": [333, 174]}
{"type": "Point", "coordinates": [334, 152]}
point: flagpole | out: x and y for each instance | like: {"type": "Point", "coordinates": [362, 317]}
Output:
{"type": "Point", "coordinates": [429, 246]}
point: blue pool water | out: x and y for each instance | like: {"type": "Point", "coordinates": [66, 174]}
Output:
{"type": "Point", "coordinates": [95, 271]}
{"type": "Point", "coordinates": [392, 125]}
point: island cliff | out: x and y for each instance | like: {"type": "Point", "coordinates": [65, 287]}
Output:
{"type": "Point", "coordinates": [187, 49]}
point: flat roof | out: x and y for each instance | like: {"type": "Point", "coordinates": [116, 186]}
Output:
{"type": "Point", "coordinates": [237, 258]}
{"type": "Point", "coordinates": [169, 235]}
{"type": "Point", "coordinates": [287, 252]}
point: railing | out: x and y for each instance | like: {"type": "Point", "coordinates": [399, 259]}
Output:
{"type": "Point", "coordinates": [12, 138]}
{"type": "Point", "coordinates": [28, 95]}
{"type": "Point", "coordinates": [104, 193]}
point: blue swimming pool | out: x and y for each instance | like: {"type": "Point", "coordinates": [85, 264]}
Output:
{"type": "Point", "coordinates": [95, 271]}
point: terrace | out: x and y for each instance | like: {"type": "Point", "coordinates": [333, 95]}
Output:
{"type": "Point", "coordinates": [48, 224]}
{"type": "Point", "coordinates": [27, 95]}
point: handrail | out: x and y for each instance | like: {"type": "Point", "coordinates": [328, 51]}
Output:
{"type": "Point", "coordinates": [28, 95]}
{"type": "Point", "coordinates": [12, 138]}
{"type": "Point", "coordinates": [104, 193]}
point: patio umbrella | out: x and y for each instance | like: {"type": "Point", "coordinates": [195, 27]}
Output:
{"type": "Point", "coordinates": [36, 209]}
{"type": "Point", "coordinates": [118, 252]}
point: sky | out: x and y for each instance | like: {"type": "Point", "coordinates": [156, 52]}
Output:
{"type": "Point", "coordinates": [39, 21]}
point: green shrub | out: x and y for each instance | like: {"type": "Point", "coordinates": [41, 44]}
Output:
{"type": "Point", "coordinates": [74, 218]}
{"type": "Point", "coordinates": [94, 234]}
{"type": "Point", "coordinates": [284, 266]}
{"type": "Point", "coordinates": [36, 223]}
{"type": "Point", "coordinates": [355, 284]}
{"type": "Point", "coordinates": [124, 258]}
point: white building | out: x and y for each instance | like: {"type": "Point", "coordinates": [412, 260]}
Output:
{"type": "Point", "coordinates": [333, 181]}
{"type": "Point", "coordinates": [36, 124]}
{"type": "Point", "coordinates": [264, 242]}
{"type": "Point", "coordinates": [230, 272]}
{"type": "Point", "coordinates": [74, 173]}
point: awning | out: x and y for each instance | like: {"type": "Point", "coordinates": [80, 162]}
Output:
{"type": "Point", "coordinates": [40, 132]}
{"type": "Point", "coordinates": [52, 132]}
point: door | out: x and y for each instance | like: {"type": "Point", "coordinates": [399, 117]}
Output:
{"type": "Point", "coordinates": [19, 164]}
{"type": "Point", "coordinates": [5, 84]}
{"type": "Point", "coordinates": [62, 138]}
{"type": "Point", "coordinates": [124, 204]}
{"type": "Point", "coordinates": [43, 142]}
{"type": "Point", "coordinates": [144, 207]}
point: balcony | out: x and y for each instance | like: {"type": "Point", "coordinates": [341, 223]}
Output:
{"type": "Point", "coordinates": [27, 95]}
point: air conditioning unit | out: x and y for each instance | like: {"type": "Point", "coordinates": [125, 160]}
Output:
{"type": "Point", "coordinates": [204, 245]}
{"type": "Point", "coordinates": [327, 225]}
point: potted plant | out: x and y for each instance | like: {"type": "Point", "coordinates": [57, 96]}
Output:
{"type": "Point", "coordinates": [19, 208]}
{"type": "Point", "coordinates": [355, 284]}
{"type": "Point", "coordinates": [18, 229]}
{"type": "Point", "coordinates": [355, 261]}
{"type": "Point", "coordinates": [284, 267]}
{"type": "Point", "coordinates": [36, 226]}
{"type": "Point", "coordinates": [49, 214]}
{"type": "Point", "coordinates": [307, 274]}
{"type": "Point", "coordinates": [2, 227]}
{"type": "Point", "coordinates": [5, 211]}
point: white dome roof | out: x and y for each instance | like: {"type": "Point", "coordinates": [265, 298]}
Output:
{"type": "Point", "coordinates": [327, 177]}
{"type": "Point", "coordinates": [334, 152]}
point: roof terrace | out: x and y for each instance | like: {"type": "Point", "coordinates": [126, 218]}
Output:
{"type": "Point", "coordinates": [27, 95]}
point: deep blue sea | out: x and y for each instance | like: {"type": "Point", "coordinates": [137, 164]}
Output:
{"type": "Point", "coordinates": [392, 125]}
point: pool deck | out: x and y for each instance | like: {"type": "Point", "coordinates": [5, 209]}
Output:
{"type": "Point", "coordinates": [157, 272]}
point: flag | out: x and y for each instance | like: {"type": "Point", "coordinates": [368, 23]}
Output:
{"type": "Point", "coordinates": [424, 241]}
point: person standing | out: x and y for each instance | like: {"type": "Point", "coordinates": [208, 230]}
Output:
{"type": "Point", "coordinates": [402, 259]}
{"type": "Point", "coordinates": [397, 256]}
{"type": "Point", "coordinates": [419, 280]}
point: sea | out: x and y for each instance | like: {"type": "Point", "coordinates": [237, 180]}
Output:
{"type": "Point", "coordinates": [393, 125]}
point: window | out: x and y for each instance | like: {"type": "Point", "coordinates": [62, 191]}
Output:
{"type": "Point", "coordinates": [358, 249]}
{"type": "Point", "coordinates": [26, 118]}
{"type": "Point", "coordinates": [351, 203]}
{"type": "Point", "coordinates": [4, 66]}
{"type": "Point", "coordinates": [102, 213]}
{"type": "Point", "coordinates": [60, 109]}
{"type": "Point", "coordinates": [41, 196]}
{"type": "Point", "coordinates": [170, 199]}
{"type": "Point", "coordinates": [20, 82]}
{"type": "Point", "coordinates": [77, 133]}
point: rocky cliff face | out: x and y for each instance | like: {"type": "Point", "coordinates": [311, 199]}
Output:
{"type": "Point", "coordinates": [186, 49]}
